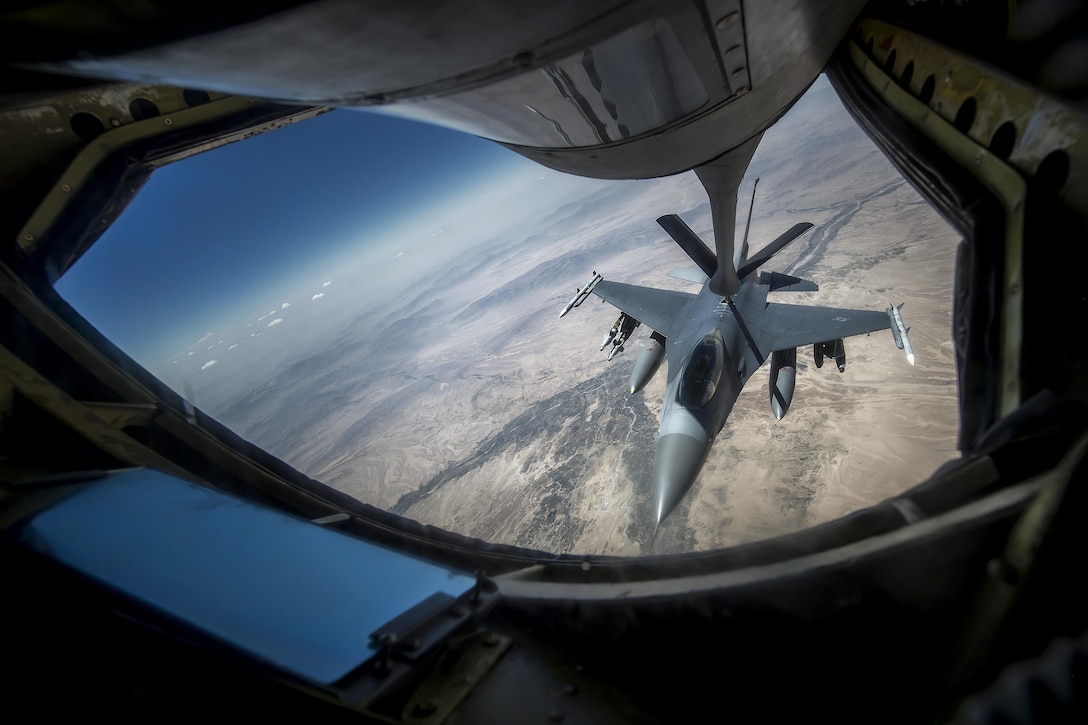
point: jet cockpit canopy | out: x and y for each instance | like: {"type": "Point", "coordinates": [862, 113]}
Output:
{"type": "Point", "coordinates": [703, 371]}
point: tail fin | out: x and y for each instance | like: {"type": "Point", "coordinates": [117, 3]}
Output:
{"type": "Point", "coordinates": [773, 248]}
{"type": "Point", "coordinates": [690, 242]}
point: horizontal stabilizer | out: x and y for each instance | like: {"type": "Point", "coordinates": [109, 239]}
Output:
{"type": "Point", "coordinates": [778, 282]}
{"type": "Point", "coordinates": [689, 241]}
{"type": "Point", "coordinates": [772, 249]}
{"type": "Point", "coordinates": [689, 274]}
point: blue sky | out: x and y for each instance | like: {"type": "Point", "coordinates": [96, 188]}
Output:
{"type": "Point", "coordinates": [205, 236]}
{"type": "Point", "coordinates": [235, 237]}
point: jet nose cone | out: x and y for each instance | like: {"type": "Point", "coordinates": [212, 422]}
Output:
{"type": "Point", "coordinates": [677, 462]}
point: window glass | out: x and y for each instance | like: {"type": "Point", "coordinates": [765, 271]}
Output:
{"type": "Point", "coordinates": [374, 302]}
{"type": "Point", "coordinates": [703, 371]}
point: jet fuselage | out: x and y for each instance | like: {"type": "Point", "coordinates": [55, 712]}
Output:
{"type": "Point", "coordinates": [700, 391]}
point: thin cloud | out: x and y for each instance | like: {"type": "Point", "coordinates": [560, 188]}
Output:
{"type": "Point", "coordinates": [318, 296]}
{"type": "Point", "coordinates": [285, 305]}
{"type": "Point", "coordinates": [276, 321]}
{"type": "Point", "coordinates": [326, 284]}
{"type": "Point", "coordinates": [208, 364]}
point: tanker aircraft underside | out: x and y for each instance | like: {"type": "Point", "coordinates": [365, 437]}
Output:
{"type": "Point", "coordinates": [713, 345]}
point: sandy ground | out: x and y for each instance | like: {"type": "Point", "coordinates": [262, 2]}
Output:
{"type": "Point", "coordinates": [472, 408]}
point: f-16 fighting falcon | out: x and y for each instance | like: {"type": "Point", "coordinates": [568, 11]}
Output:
{"type": "Point", "coordinates": [714, 344]}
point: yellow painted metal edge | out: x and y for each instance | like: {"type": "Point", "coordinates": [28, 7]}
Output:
{"type": "Point", "coordinates": [95, 152]}
{"type": "Point", "coordinates": [1001, 179]}
{"type": "Point", "coordinates": [79, 417]}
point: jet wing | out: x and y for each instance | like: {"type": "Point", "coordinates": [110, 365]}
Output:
{"type": "Point", "coordinates": [787, 326]}
{"type": "Point", "coordinates": [656, 308]}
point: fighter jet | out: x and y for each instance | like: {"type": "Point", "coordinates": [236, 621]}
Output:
{"type": "Point", "coordinates": [714, 344]}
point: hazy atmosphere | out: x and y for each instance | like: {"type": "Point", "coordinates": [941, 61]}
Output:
{"type": "Point", "coordinates": [395, 335]}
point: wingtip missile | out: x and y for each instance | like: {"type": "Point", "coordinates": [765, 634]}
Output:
{"type": "Point", "coordinates": [899, 331]}
{"type": "Point", "coordinates": [581, 294]}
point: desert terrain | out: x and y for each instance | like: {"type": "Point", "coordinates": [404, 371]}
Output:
{"type": "Point", "coordinates": [465, 403]}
